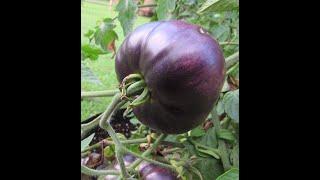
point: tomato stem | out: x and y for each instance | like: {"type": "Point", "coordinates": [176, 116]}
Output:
{"type": "Point", "coordinates": [232, 59]}
{"type": "Point", "coordinates": [172, 150]}
{"type": "Point", "coordinates": [104, 124]}
{"type": "Point", "coordinates": [228, 43]}
{"type": "Point", "coordinates": [107, 142]}
{"type": "Point", "coordinates": [106, 93]}
{"type": "Point", "coordinates": [92, 172]}
{"type": "Point", "coordinates": [134, 82]}
{"type": "Point", "coordinates": [86, 128]}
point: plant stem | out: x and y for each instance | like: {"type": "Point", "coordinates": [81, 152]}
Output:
{"type": "Point", "coordinates": [99, 93]}
{"type": "Point", "coordinates": [135, 141]}
{"type": "Point", "coordinates": [232, 68]}
{"type": "Point", "coordinates": [172, 150]}
{"type": "Point", "coordinates": [92, 172]}
{"type": "Point", "coordinates": [147, 152]}
{"type": "Point", "coordinates": [225, 123]}
{"type": "Point", "coordinates": [149, 160]}
{"type": "Point", "coordinates": [147, 5]}
{"type": "Point", "coordinates": [104, 124]}
{"type": "Point", "coordinates": [86, 128]}
{"type": "Point", "coordinates": [232, 59]}
{"type": "Point", "coordinates": [221, 144]}
{"type": "Point", "coordinates": [229, 43]}
{"type": "Point", "coordinates": [106, 142]}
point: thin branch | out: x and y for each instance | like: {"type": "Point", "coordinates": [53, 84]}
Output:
{"type": "Point", "coordinates": [104, 124]}
{"type": "Point", "coordinates": [232, 59]}
{"type": "Point", "coordinates": [147, 152]}
{"type": "Point", "coordinates": [172, 150]}
{"type": "Point", "coordinates": [92, 172]}
{"type": "Point", "coordinates": [106, 142]}
{"type": "Point", "coordinates": [228, 43]}
{"type": "Point", "coordinates": [106, 93]}
{"type": "Point", "coordinates": [86, 128]}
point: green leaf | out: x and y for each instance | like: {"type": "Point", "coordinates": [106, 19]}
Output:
{"type": "Point", "coordinates": [86, 142]}
{"type": "Point", "coordinates": [206, 145]}
{"type": "Point", "coordinates": [105, 34]}
{"type": "Point", "coordinates": [91, 52]}
{"type": "Point", "coordinates": [108, 37]}
{"type": "Point", "coordinates": [210, 168]}
{"type": "Point", "coordinates": [234, 70]}
{"type": "Point", "coordinates": [208, 152]}
{"type": "Point", "coordinates": [226, 134]}
{"type": "Point", "coordinates": [127, 14]}
{"type": "Point", "coordinates": [108, 20]}
{"type": "Point", "coordinates": [235, 156]}
{"type": "Point", "coordinates": [89, 34]}
{"type": "Point", "coordinates": [218, 6]}
{"type": "Point", "coordinates": [165, 9]}
{"type": "Point", "coordinates": [189, 147]}
{"type": "Point", "coordinates": [232, 174]}
{"type": "Point", "coordinates": [172, 138]}
{"type": "Point", "coordinates": [197, 172]}
{"type": "Point", "coordinates": [134, 121]}
{"type": "Point", "coordinates": [220, 107]}
{"type": "Point", "coordinates": [209, 139]}
{"type": "Point", "coordinates": [134, 148]}
{"type": "Point", "coordinates": [231, 104]}
{"type": "Point", "coordinates": [102, 29]}
{"type": "Point", "coordinates": [108, 151]}
{"type": "Point", "coordinates": [221, 32]}
{"type": "Point", "coordinates": [197, 132]}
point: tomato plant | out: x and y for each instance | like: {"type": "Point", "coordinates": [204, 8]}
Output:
{"type": "Point", "coordinates": [178, 87]}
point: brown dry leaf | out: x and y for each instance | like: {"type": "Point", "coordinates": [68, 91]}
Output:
{"type": "Point", "coordinates": [234, 84]}
{"type": "Point", "coordinates": [207, 124]}
{"type": "Point", "coordinates": [94, 159]}
{"type": "Point", "coordinates": [112, 47]}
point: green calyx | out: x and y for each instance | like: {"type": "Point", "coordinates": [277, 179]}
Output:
{"type": "Point", "coordinates": [134, 89]}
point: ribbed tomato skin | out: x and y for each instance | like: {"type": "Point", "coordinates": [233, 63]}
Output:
{"type": "Point", "coordinates": [183, 67]}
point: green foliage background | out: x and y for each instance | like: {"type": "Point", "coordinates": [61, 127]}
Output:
{"type": "Point", "coordinates": [101, 25]}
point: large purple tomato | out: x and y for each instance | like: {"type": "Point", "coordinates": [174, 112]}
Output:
{"type": "Point", "coordinates": [183, 67]}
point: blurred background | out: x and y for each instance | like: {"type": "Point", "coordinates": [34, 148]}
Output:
{"type": "Point", "coordinates": [99, 74]}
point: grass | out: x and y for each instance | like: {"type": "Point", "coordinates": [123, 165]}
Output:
{"type": "Point", "coordinates": [103, 68]}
